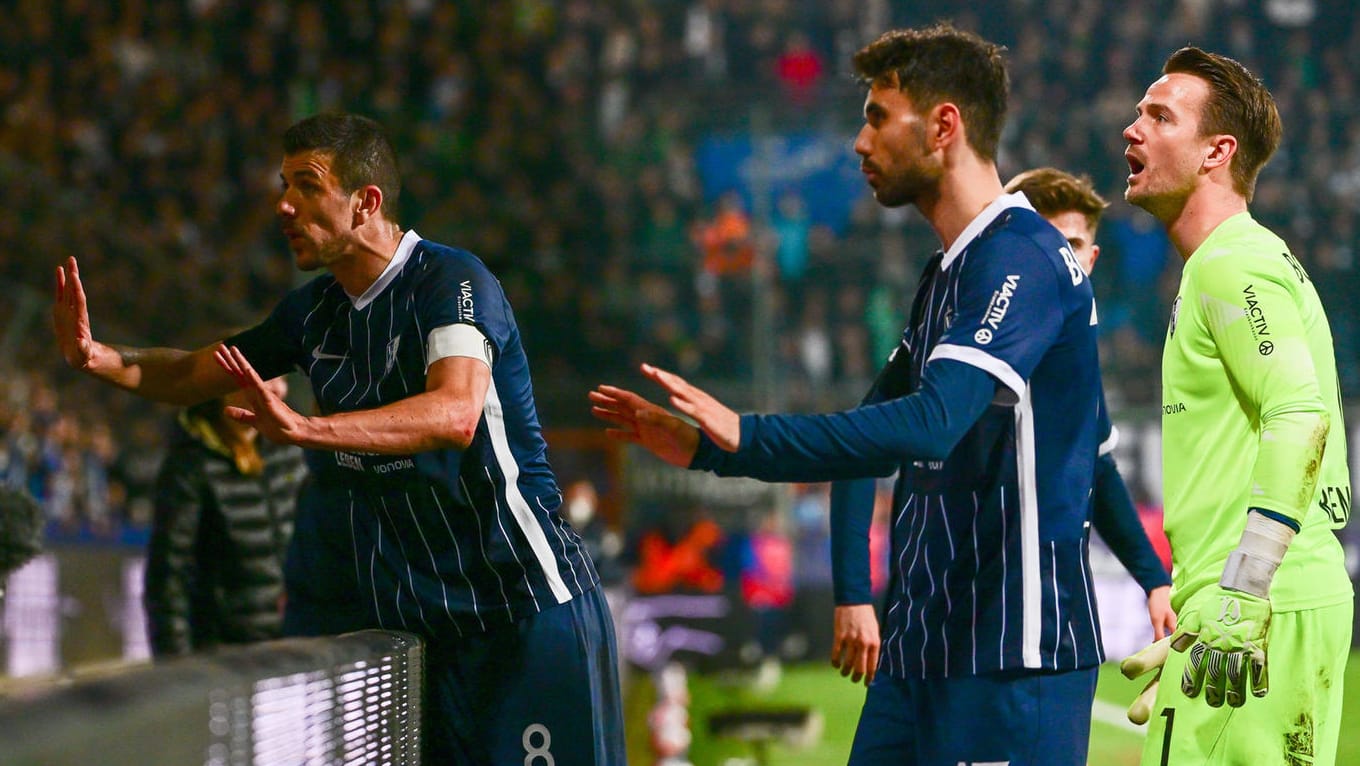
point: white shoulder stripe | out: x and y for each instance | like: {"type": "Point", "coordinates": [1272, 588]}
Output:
{"type": "Point", "coordinates": [524, 515]}
{"type": "Point", "coordinates": [983, 361]}
{"type": "Point", "coordinates": [1031, 605]}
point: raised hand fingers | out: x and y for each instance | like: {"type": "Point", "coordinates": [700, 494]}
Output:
{"type": "Point", "coordinates": [615, 405]}
{"type": "Point", "coordinates": [621, 408]}
{"type": "Point", "coordinates": [618, 399]}
{"type": "Point", "coordinates": [235, 363]}
{"type": "Point", "coordinates": [227, 362]}
{"type": "Point", "coordinates": [684, 395]}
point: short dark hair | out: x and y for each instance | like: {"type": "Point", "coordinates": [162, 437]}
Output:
{"type": "Point", "coordinates": [1052, 191]}
{"type": "Point", "coordinates": [359, 150]}
{"type": "Point", "coordinates": [942, 63]}
{"type": "Point", "coordinates": [1239, 105]}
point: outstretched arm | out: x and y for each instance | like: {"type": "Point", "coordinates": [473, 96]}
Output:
{"type": "Point", "coordinates": [165, 375]}
{"type": "Point", "coordinates": [444, 416]}
{"type": "Point", "coordinates": [867, 441]}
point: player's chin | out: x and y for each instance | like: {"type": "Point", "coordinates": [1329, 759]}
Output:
{"type": "Point", "coordinates": [306, 260]}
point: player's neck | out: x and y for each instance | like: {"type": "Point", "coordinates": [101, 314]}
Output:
{"type": "Point", "coordinates": [370, 252]}
{"type": "Point", "coordinates": [1203, 211]}
{"type": "Point", "coordinates": [965, 191]}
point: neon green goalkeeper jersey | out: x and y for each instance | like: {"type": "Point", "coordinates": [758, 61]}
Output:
{"type": "Point", "coordinates": [1249, 401]}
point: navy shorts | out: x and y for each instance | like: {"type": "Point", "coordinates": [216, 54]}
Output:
{"type": "Point", "coordinates": [540, 692]}
{"type": "Point", "coordinates": [1012, 718]}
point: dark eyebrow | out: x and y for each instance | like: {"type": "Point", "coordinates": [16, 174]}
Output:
{"type": "Point", "coordinates": [301, 174]}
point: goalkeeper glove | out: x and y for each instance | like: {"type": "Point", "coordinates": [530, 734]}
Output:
{"type": "Point", "coordinates": [1226, 627]}
{"type": "Point", "coordinates": [1226, 634]}
{"type": "Point", "coordinates": [1150, 657]}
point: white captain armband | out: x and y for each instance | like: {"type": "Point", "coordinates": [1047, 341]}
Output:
{"type": "Point", "coordinates": [458, 340]}
{"type": "Point", "coordinates": [1251, 567]}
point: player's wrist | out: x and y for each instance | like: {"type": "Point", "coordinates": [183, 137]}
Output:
{"type": "Point", "coordinates": [1251, 566]}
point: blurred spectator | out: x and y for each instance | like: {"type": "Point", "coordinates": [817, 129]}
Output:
{"type": "Point", "coordinates": [767, 580]}
{"type": "Point", "coordinates": [792, 229]}
{"type": "Point", "coordinates": [799, 68]}
{"type": "Point", "coordinates": [725, 241]}
{"type": "Point", "coordinates": [557, 141]}
{"type": "Point", "coordinates": [225, 499]}
{"type": "Point", "coordinates": [580, 504]}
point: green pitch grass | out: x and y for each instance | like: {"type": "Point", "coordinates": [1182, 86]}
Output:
{"type": "Point", "coordinates": [1114, 741]}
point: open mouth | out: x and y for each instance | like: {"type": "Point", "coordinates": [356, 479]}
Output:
{"type": "Point", "coordinates": [1135, 165]}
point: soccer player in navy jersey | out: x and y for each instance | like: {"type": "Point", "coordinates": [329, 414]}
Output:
{"type": "Point", "coordinates": [437, 464]}
{"type": "Point", "coordinates": [1074, 208]}
{"type": "Point", "coordinates": [988, 411]}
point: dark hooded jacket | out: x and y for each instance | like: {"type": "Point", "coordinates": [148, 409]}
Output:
{"type": "Point", "coordinates": [214, 572]}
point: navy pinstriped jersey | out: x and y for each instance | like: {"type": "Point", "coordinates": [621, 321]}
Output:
{"type": "Point", "coordinates": [443, 539]}
{"type": "Point", "coordinates": [989, 566]}
{"type": "Point", "coordinates": [989, 539]}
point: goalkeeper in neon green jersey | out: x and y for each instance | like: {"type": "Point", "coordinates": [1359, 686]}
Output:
{"type": "Point", "coordinates": [1254, 453]}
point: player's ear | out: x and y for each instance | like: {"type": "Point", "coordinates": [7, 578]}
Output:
{"type": "Point", "coordinates": [368, 202]}
{"type": "Point", "coordinates": [944, 126]}
{"type": "Point", "coordinates": [1221, 150]}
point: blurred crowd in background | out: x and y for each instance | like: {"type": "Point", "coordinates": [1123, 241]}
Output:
{"type": "Point", "coordinates": [643, 177]}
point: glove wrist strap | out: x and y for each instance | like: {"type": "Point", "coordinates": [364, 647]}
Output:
{"type": "Point", "coordinates": [1251, 567]}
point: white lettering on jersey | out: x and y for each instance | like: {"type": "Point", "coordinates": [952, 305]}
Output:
{"type": "Point", "coordinates": [465, 306]}
{"type": "Point", "coordinates": [1001, 301]}
{"type": "Point", "coordinates": [1074, 269]}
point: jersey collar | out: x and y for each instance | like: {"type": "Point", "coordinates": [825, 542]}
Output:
{"type": "Point", "coordinates": [983, 219]}
{"type": "Point", "coordinates": [404, 249]}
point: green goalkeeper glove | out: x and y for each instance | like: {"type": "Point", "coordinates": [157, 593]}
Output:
{"type": "Point", "coordinates": [1151, 657]}
{"type": "Point", "coordinates": [1226, 634]}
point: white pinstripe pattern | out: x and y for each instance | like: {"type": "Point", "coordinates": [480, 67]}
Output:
{"type": "Point", "coordinates": [458, 554]}
{"type": "Point", "coordinates": [524, 571]}
{"type": "Point", "coordinates": [1090, 602]}
{"type": "Point", "coordinates": [944, 585]}
{"type": "Point", "coordinates": [925, 629]}
{"type": "Point", "coordinates": [410, 575]}
{"type": "Point", "coordinates": [353, 364]}
{"type": "Point", "coordinates": [565, 553]}
{"type": "Point", "coordinates": [368, 358]}
{"type": "Point", "coordinates": [977, 567]}
{"type": "Point", "coordinates": [481, 541]}
{"type": "Point", "coordinates": [372, 579]}
{"type": "Point", "coordinates": [1057, 603]}
{"type": "Point", "coordinates": [429, 551]}
{"type": "Point", "coordinates": [1005, 564]}
{"type": "Point", "coordinates": [1072, 636]}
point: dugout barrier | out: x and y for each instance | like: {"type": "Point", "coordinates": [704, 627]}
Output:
{"type": "Point", "coordinates": [350, 699]}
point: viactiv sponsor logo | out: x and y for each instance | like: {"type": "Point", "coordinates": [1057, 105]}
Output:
{"type": "Point", "coordinates": [465, 304]}
{"type": "Point", "coordinates": [1001, 302]}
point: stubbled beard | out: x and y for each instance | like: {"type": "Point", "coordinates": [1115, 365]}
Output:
{"type": "Point", "coordinates": [1162, 204]}
{"type": "Point", "coordinates": [908, 188]}
{"type": "Point", "coordinates": [920, 179]}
